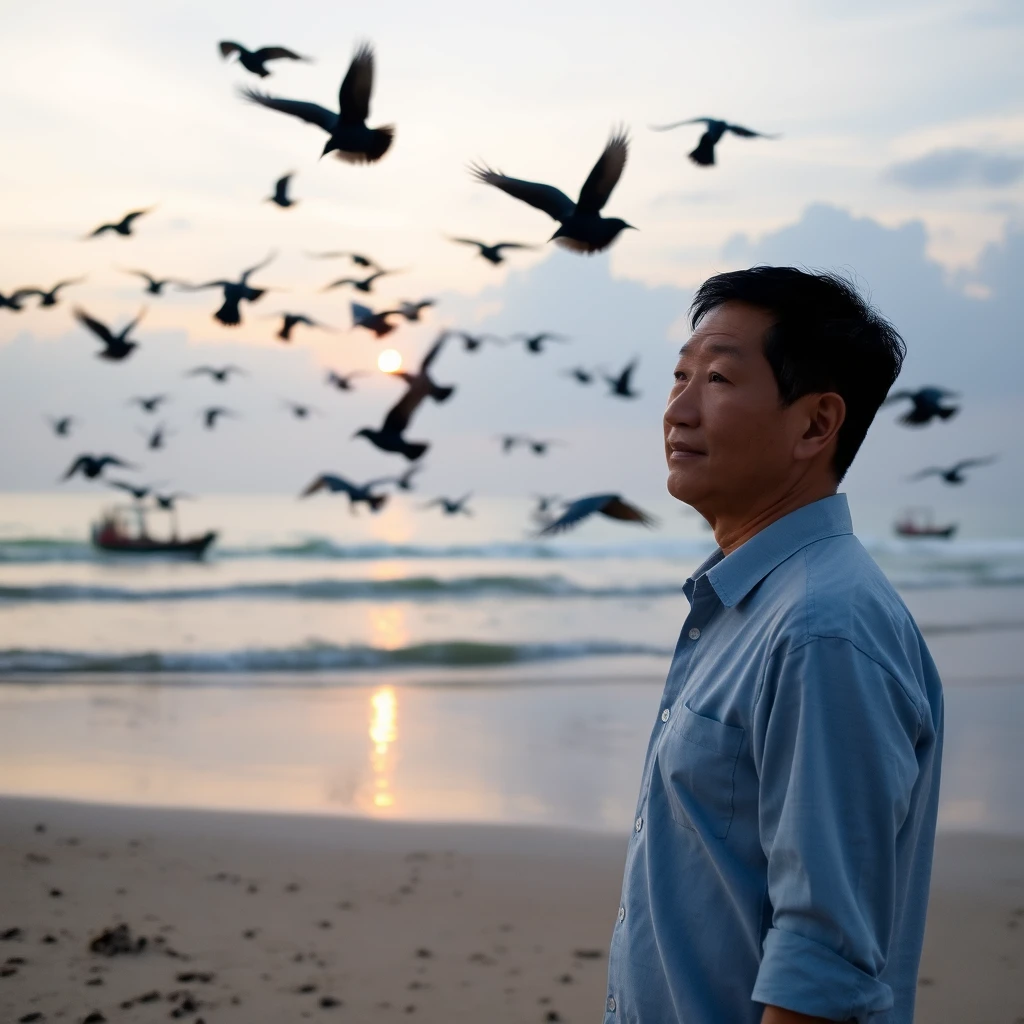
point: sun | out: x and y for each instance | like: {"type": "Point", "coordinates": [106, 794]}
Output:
{"type": "Point", "coordinates": [390, 361]}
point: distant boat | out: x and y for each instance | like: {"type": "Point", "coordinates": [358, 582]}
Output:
{"type": "Point", "coordinates": [917, 522]}
{"type": "Point", "coordinates": [113, 533]}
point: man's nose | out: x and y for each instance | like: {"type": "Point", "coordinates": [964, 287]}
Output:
{"type": "Point", "coordinates": [683, 407]}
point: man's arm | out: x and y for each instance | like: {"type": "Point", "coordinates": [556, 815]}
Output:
{"type": "Point", "coordinates": [777, 1015]}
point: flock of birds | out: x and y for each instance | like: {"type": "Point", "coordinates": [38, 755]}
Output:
{"type": "Point", "coordinates": [582, 228]}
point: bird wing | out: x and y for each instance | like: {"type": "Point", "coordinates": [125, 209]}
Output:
{"type": "Point", "coordinates": [898, 396]}
{"type": "Point", "coordinates": [273, 53]}
{"type": "Point", "coordinates": [259, 266]}
{"type": "Point", "coordinates": [967, 463]}
{"type": "Point", "coordinates": [433, 353]}
{"type": "Point", "coordinates": [470, 241]}
{"type": "Point", "coordinates": [354, 95]}
{"type": "Point", "coordinates": [79, 463]}
{"type": "Point", "coordinates": [677, 124]}
{"type": "Point", "coordinates": [134, 323]}
{"type": "Point", "coordinates": [616, 508]}
{"type": "Point", "coordinates": [930, 471]}
{"type": "Point", "coordinates": [199, 287]}
{"type": "Point", "coordinates": [313, 113]}
{"type": "Point", "coordinates": [605, 174]}
{"type": "Point", "coordinates": [128, 218]}
{"type": "Point", "coordinates": [400, 414]}
{"type": "Point", "coordinates": [576, 512]}
{"type": "Point", "coordinates": [360, 312]}
{"type": "Point", "coordinates": [498, 246]}
{"type": "Point", "coordinates": [748, 133]}
{"type": "Point", "coordinates": [227, 48]}
{"type": "Point", "coordinates": [122, 486]}
{"type": "Point", "coordinates": [627, 373]}
{"type": "Point", "coordinates": [554, 202]}
{"type": "Point", "coordinates": [329, 481]}
{"type": "Point", "coordinates": [100, 330]}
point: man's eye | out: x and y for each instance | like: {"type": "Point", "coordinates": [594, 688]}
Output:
{"type": "Point", "coordinates": [679, 375]}
{"type": "Point", "coordinates": [716, 378]}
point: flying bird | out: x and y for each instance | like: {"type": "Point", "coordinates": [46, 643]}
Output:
{"type": "Point", "coordinates": [343, 381]}
{"type": "Point", "coordinates": [218, 374]}
{"type": "Point", "coordinates": [15, 299]}
{"type": "Point", "coordinates": [117, 346]}
{"type": "Point", "coordinates": [123, 226]}
{"type": "Point", "coordinates": [450, 507]}
{"type": "Point", "coordinates": [300, 411]}
{"type": "Point", "coordinates": [356, 494]}
{"type": "Point", "coordinates": [364, 284]}
{"type": "Point", "coordinates": [542, 510]}
{"type": "Point", "coordinates": [363, 316]}
{"type": "Point", "coordinates": [156, 440]}
{"type": "Point", "coordinates": [927, 404]}
{"type": "Point", "coordinates": [280, 196]}
{"type": "Point", "coordinates": [156, 285]}
{"type": "Point", "coordinates": [422, 381]}
{"type": "Point", "coordinates": [148, 404]}
{"type": "Point", "coordinates": [509, 442]}
{"type": "Point", "coordinates": [289, 321]}
{"type": "Point", "coordinates": [62, 425]}
{"type": "Point", "coordinates": [138, 491]}
{"type": "Point", "coordinates": [235, 292]}
{"type": "Point", "coordinates": [214, 413]}
{"type": "Point", "coordinates": [411, 310]}
{"type": "Point", "coordinates": [472, 342]}
{"type": "Point", "coordinates": [621, 384]}
{"type": "Point", "coordinates": [580, 374]}
{"type": "Point", "coordinates": [953, 474]}
{"type": "Point", "coordinates": [255, 60]}
{"type": "Point", "coordinates": [704, 154]}
{"type": "Point", "coordinates": [92, 466]}
{"type": "Point", "coordinates": [391, 435]}
{"type": "Point", "coordinates": [611, 505]}
{"type": "Point", "coordinates": [535, 342]}
{"type": "Point", "coordinates": [49, 298]}
{"type": "Point", "coordinates": [348, 134]}
{"type": "Point", "coordinates": [404, 482]}
{"type": "Point", "coordinates": [492, 253]}
{"type": "Point", "coordinates": [357, 258]}
{"type": "Point", "coordinates": [581, 226]}
{"type": "Point", "coordinates": [167, 502]}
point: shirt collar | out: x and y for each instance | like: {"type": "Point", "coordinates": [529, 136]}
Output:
{"type": "Point", "coordinates": [733, 576]}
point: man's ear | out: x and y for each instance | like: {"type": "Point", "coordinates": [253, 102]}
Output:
{"type": "Point", "coordinates": [824, 414]}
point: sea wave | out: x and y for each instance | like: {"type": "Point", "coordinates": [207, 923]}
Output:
{"type": "Point", "coordinates": [311, 657]}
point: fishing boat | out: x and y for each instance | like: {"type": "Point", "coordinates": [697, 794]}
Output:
{"type": "Point", "coordinates": [114, 533]}
{"type": "Point", "coordinates": [918, 522]}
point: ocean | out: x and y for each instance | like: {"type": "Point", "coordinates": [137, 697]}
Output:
{"type": "Point", "coordinates": [418, 666]}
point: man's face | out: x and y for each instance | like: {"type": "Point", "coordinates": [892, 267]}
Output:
{"type": "Point", "coordinates": [728, 438]}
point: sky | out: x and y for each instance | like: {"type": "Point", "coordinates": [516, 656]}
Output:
{"type": "Point", "coordinates": [900, 163]}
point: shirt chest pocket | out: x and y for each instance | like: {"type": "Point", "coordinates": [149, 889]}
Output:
{"type": "Point", "coordinates": [697, 761]}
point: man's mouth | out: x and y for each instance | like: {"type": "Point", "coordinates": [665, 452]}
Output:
{"type": "Point", "coordinates": [680, 450]}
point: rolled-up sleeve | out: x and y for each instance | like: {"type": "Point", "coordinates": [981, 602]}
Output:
{"type": "Point", "coordinates": [834, 746]}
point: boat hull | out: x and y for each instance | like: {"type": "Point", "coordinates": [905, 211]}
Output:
{"type": "Point", "coordinates": [191, 547]}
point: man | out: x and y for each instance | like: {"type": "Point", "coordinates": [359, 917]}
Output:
{"type": "Point", "coordinates": [779, 862]}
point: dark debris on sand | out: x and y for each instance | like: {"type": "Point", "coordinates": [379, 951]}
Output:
{"type": "Point", "coordinates": [118, 941]}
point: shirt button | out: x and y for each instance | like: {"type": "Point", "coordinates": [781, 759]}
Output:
{"type": "Point", "coordinates": [694, 633]}
{"type": "Point", "coordinates": [638, 824]}
{"type": "Point", "coordinates": [611, 1004]}
{"type": "Point", "coordinates": [622, 914]}
{"type": "Point", "coordinates": [665, 714]}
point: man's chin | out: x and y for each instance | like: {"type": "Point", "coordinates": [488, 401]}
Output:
{"type": "Point", "coordinates": [683, 488]}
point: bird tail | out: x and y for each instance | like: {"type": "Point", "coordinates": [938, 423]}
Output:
{"type": "Point", "coordinates": [378, 142]}
{"type": "Point", "coordinates": [575, 245]}
{"type": "Point", "coordinates": [377, 501]}
{"type": "Point", "coordinates": [413, 450]}
{"type": "Point", "coordinates": [441, 394]}
{"type": "Point", "coordinates": [945, 412]}
{"type": "Point", "coordinates": [229, 314]}
{"type": "Point", "coordinates": [703, 155]}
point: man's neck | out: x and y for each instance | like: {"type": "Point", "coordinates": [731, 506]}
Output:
{"type": "Point", "coordinates": [732, 531]}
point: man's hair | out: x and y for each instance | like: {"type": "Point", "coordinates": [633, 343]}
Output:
{"type": "Point", "coordinates": [825, 338]}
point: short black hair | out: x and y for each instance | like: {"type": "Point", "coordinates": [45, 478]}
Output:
{"type": "Point", "coordinates": [826, 337]}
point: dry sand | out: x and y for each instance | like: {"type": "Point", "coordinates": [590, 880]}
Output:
{"type": "Point", "coordinates": [258, 918]}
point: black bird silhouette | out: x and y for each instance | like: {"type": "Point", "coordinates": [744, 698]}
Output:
{"type": "Point", "coordinates": [391, 435]}
{"type": "Point", "coordinates": [511, 441]}
{"type": "Point", "coordinates": [167, 502]}
{"type": "Point", "coordinates": [704, 154]}
{"type": "Point", "coordinates": [581, 226]}
{"type": "Point", "coordinates": [254, 60]}
{"type": "Point", "coordinates": [621, 384]}
{"type": "Point", "coordinates": [928, 404]}
{"type": "Point", "coordinates": [611, 505]}
{"type": "Point", "coordinates": [411, 310]}
{"type": "Point", "coordinates": [123, 226]}
{"type": "Point", "coordinates": [150, 404]}
{"type": "Point", "coordinates": [280, 196]}
{"type": "Point", "coordinates": [138, 491]}
{"type": "Point", "coordinates": [404, 481]}
{"type": "Point", "coordinates": [535, 342]}
{"type": "Point", "coordinates": [451, 507]}
{"type": "Point", "coordinates": [421, 380]}
{"type": "Point", "coordinates": [492, 253]}
{"type": "Point", "coordinates": [218, 374]}
{"type": "Point", "coordinates": [156, 440]}
{"type": "Point", "coordinates": [363, 316]}
{"type": "Point", "coordinates": [361, 284]}
{"type": "Point", "coordinates": [117, 346]}
{"type": "Point", "coordinates": [156, 285]}
{"type": "Point", "coordinates": [357, 258]}
{"type": "Point", "coordinates": [92, 466]}
{"type": "Point", "coordinates": [580, 374]}
{"type": "Point", "coordinates": [349, 136]}
{"type": "Point", "coordinates": [62, 425]}
{"type": "Point", "coordinates": [953, 474]}
{"type": "Point", "coordinates": [289, 321]}
{"type": "Point", "coordinates": [343, 381]}
{"type": "Point", "coordinates": [472, 342]}
{"type": "Point", "coordinates": [235, 292]}
{"type": "Point", "coordinates": [15, 299]}
{"type": "Point", "coordinates": [49, 298]}
{"type": "Point", "coordinates": [214, 413]}
{"type": "Point", "coordinates": [356, 493]}
{"type": "Point", "coordinates": [542, 510]}
{"type": "Point", "coordinates": [299, 410]}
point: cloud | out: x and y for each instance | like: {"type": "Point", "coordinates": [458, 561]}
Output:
{"type": "Point", "coordinates": [957, 168]}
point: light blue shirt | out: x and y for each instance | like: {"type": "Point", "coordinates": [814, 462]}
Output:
{"type": "Point", "coordinates": [782, 846]}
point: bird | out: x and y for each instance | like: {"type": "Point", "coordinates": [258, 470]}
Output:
{"type": "Point", "coordinates": [391, 435]}
{"type": "Point", "coordinates": [49, 298]}
{"type": "Point", "coordinates": [611, 505]}
{"type": "Point", "coordinates": [928, 404]}
{"type": "Point", "coordinates": [213, 413]}
{"type": "Point", "coordinates": [92, 466]}
{"type": "Point", "coordinates": [538, 447]}
{"type": "Point", "coordinates": [404, 482]}
{"type": "Point", "coordinates": [290, 321]}
{"type": "Point", "coordinates": [357, 258]}
{"type": "Point", "coordinates": [150, 404]}
{"type": "Point", "coordinates": [235, 292]}
{"type": "Point", "coordinates": [411, 310]}
{"type": "Point", "coordinates": [704, 154]}
{"type": "Point", "coordinates": [363, 316]}
{"type": "Point", "coordinates": [621, 384]}
{"type": "Point", "coordinates": [218, 374]}
{"type": "Point", "coordinates": [508, 442]}
{"type": "Point", "coordinates": [472, 342]}
{"type": "Point", "coordinates": [156, 439]}
{"type": "Point", "coordinates": [535, 342]}
{"type": "Point", "coordinates": [168, 501]}
{"type": "Point", "coordinates": [421, 381]}
{"type": "Point", "coordinates": [138, 491]}
{"type": "Point", "coordinates": [14, 300]}
{"type": "Point", "coordinates": [362, 284]}
{"type": "Point", "coordinates": [117, 346]}
{"type": "Point", "coordinates": [62, 425]}
{"type": "Point", "coordinates": [492, 253]}
{"type": "Point", "coordinates": [580, 374]}
{"type": "Point", "coordinates": [123, 226]}
{"type": "Point", "coordinates": [581, 227]}
{"type": "Point", "coordinates": [356, 493]}
{"type": "Point", "coordinates": [254, 60]}
{"type": "Point", "coordinates": [542, 510]}
{"type": "Point", "coordinates": [299, 410]}
{"type": "Point", "coordinates": [343, 382]}
{"type": "Point", "coordinates": [953, 474]}
{"type": "Point", "coordinates": [155, 285]}
{"type": "Point", "coordinates": [348, 134]}
{"type": "Point", "coordinates": [451, 507]}
{"type": "Point", "coordinates": [280, 196]}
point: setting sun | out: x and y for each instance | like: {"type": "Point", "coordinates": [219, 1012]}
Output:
{"type": "Point", "coordinates": [390, 361]}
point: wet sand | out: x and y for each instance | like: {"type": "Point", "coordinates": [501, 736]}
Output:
{"type": "Point", "coordinates": [265, 918]}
